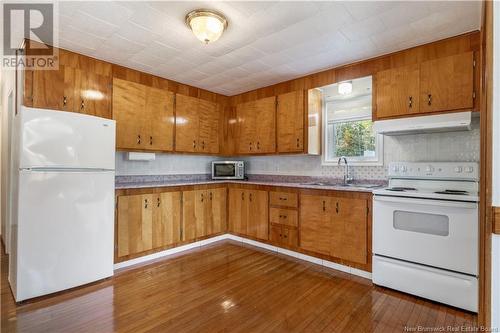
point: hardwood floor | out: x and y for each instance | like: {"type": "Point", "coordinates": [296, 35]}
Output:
{"type": "Point", "coordinates": [227, 287]}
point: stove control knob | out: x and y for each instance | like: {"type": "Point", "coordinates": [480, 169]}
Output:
{"type": "Point", "coordinates": [458, 169]}
{"type": "Point", "coordinates": [395, 168]}
{"type": "Point", "coordinates": [404, 168]}
{"type": "Point", "coordinates": [429, 168]}
{"type": "Point", "coordinates": [469, 169]}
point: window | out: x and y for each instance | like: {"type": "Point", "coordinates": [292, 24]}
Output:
{"type": "Point", "coordinates": [348, 127]}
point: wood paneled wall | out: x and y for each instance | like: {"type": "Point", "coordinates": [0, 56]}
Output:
{"type": "Point", "coordinates": [443, 48]}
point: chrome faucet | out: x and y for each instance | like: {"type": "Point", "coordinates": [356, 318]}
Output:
{"type": "Point", "coordinates": [347, 178]}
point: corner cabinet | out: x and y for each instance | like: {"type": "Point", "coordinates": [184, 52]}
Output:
{"type": "Point", "coordinates": [248, 212]}
{"type": "Point", "coordinates": [144, 116]}
{"type": "Point", "coordinates": [196, 125]}
{"type": "Point", "coordinates": [256, 126]}
{"type": "Point", "coordinates": [442, 84]}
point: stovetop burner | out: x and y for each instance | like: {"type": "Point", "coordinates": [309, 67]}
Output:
{"type": "Point", "coordinates": [455, 192]}
{"type": "Point", "coordinates": [401, 189]}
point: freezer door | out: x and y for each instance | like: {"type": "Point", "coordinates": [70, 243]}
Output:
{"type": "Point", "coordinates": [65, 231]}
{"type": "Point", "coordinates": [57, 139]}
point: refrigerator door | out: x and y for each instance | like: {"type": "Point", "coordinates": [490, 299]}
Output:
{"type": "Point", "coordinates": [57, 139]}
{"type": "Point", "coordinates": [65, 230]}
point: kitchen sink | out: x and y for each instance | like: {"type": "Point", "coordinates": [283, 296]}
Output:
{"type": "Point", "coordinates": [363, 185]}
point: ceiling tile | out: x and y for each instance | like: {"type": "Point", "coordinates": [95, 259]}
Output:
{"type": "Point", "coordinates": [266, 42]}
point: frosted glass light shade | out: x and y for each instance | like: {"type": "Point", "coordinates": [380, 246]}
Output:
{"type": "Point", "coordinates": [206, 25]}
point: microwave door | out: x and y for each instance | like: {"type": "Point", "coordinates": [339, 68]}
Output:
{"type": "Point", "coordinates": [224, 171]}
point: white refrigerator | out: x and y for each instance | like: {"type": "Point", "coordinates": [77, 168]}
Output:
{"type": "Point", "coordinates": [63, 223]}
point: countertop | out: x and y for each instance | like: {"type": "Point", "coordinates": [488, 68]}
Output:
{"type": "Point", "coordinates": [365, 185]}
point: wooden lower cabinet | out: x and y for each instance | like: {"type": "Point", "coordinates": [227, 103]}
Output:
{"type": "Point", "coordinates": [334, 226]}
{"type": "Point", "coordinates": [248, 212]}
{"type": "Point", "coordinates": [147, 221]}
{"type": "Point", "coordinates": [283, 235]}
{"type": "Point", "coordinates": [204, 213]}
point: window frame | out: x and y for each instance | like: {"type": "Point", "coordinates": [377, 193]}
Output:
{"type": "Point", "coordinates": [377, 160]}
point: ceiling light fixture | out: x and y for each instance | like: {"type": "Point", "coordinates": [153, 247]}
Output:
{"type": "Point", "coordinates": [207, 25]}
{"type": "Point", "coordinates": [345, 88]}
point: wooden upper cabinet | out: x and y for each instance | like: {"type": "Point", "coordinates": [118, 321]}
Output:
{"type": "Point", "coordinates": [246, 127]}
{"type": "Point", "coordinates": [93, 94]}
{"type": "Point", "coordinates": [144, 116]}
{"type": "Point", "coordinates": [197, 125]}
{"type": "Point", "coordinates": [447, 83]}
{"type": "Point", "coordinates": [159, 108]}
{"type": "Point", "coordinates": [265, 121]}
{"type": "Point", "coordinates": [315, 223]}
{"type": "Point", "coordinates": [166, 219]}
{"type": "Point", "coordinates": [54, 89]}
{"type": "Point", "coordinates": [186, 123]}
{"type": "Point", "coordinates": [290, 118]}
{"type": "Point", "coordinates": [397, 91]}
{"type": "Point", "coordinates": [209, 117]}
{"type": "Point", "coordinates": [256, 126]}
{"type": "Point", "coordinates": [135, 224]}
{"type": "Point", "coordinates": [129, 103]}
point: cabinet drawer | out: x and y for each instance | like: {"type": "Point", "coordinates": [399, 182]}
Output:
{"type": "Point", "coordinates": [285, 199]}
{"type": "Point", "coordinates": [283, 216]}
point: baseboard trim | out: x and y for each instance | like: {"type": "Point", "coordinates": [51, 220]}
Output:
{"type": "Point", "coordinates": [199, 244]}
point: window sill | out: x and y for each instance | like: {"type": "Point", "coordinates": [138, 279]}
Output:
{"type": "Point", "coordinates": [353, 163]}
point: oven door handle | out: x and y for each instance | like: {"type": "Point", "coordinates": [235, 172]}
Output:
{"type": "Point", "coordinates": [432, 202]}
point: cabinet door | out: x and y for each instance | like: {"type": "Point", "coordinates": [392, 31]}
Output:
{"type": "Point", "coordinates": [166, 219]}
{"type": "Point", "coordinates": [290, 115]}
{"type": "Point", "coordinates": [238, 203]}
{"type": "Point", "coordinates": [209, 127]}
{"type": "Point", "coordinates": [397, 91]}
{"type": "Point", "coordinates": [247, 132]}
{"type": "Point", "coordinates": [135, 217]}
{"type": "Point", "coordinates": [447, 83]}
{"type": "Point", "coordinates": [257, 214]}
{"type": "Point", "coordinates": [186, 123]}
{"type": "Point", "coordinates": [193, 214]}
{"type": "Point", "coordinates": [290, 236]}
{"type": "Point", "coordinates": [315, 223]}
{"type": "Point", "coordinates": [53, 89]}
{"type": "Point", "coordinates": [160, 110]}
{"type": "Point", "coordinates": [275, 233]}
{"type": "Point", "coordinates": [265, 121]}
{"type": "Point", "coordinates": [128, 111]}
{"type": "Point", "coordinates": [93, 94]}
{"type": "Point", "coordinates": [349, 230]}
{"type": "Point", "coordinates": [216, 210]}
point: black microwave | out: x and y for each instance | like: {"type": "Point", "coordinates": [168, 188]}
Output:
{"type": "Point", "coordinates": [228, 170]}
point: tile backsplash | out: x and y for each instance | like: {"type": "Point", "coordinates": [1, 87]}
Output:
{"type": "Point", "coordinates": [450, 146]}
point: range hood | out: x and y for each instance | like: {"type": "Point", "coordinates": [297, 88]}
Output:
{"type": "Point", "coordinates": [448, 122]}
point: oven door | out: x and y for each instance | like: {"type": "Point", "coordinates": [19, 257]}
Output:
{"type": "Point", "coordinates": [436, 233]}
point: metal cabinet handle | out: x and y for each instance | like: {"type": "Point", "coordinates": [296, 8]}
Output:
{"type": "Point", "coordinates": [202, 197]}
{"type": "Point", "coordinates": [250, 197]}
{"type": "Point", "coordinates": [242, 195]}
{"type": "Point", "coordinates": [82, 106]}
{"type": "Point", "coordinates": [429, 99]}
{"type": "Point", "coordinates": [146, 203]}
{"type": "Point", "coordinates": [283, 216]}
{"type": "Point", "coordinates": [158, 202]}
{"type": "Point", "coordinates": [194, 143]}
{"type": "Point", "coordinates": [258, 145]}
{"type": "Point", "coordinates": [210, 196]}
{"type": "Point", "coordinates": [151, 140]}
{"type": "Point", "coordinates": [284, 199]}
{"type": "Point", "coordinates": [324, 205]}
{"type": "Point", "coordinates": [250, 146]}
{"type": "Point", "coordinates": [285, 236]}
{"type": "Point", "coordinates": [203, 145]}
{"type": "Point", "coordinates": [298, 142]}
{"type": "Point", "coordinates": [138, 139]}
{"type": "Point", "coordinates": [65, 100]}
{"type": "Point", "coordinates": [410, 102]}
{"type": "Point", "coordinates": [337, 207]}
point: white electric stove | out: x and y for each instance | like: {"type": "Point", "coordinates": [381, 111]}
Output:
{"type": "Point", "coordinates": [425, 232]}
